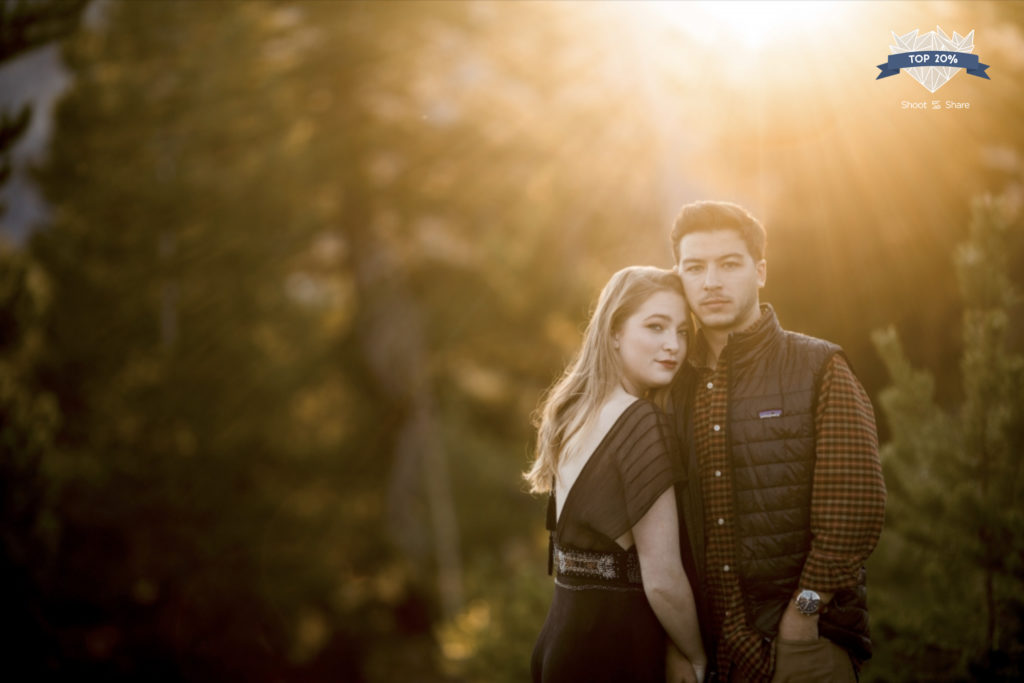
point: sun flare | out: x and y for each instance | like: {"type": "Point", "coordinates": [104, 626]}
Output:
{"type": "Point", "coordinates": [752, 24]}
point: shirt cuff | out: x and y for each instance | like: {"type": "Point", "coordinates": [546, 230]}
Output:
{"type": "Point", "coordinates": [828, 575]}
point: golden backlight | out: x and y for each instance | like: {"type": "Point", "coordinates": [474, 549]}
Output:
{"type": "Point", "coordinates": [779, 100]}
{"type": "Point", "coordinates": [751, 24]}
{"type": "Point", "coordinates": [777, 105]}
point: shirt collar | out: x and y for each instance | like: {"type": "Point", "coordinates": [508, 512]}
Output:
{"type": "Point", "coordinates": [700, 356]}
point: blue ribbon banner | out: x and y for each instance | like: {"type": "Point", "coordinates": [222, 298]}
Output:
{"type": "Point", "coordinates": [959, 60]}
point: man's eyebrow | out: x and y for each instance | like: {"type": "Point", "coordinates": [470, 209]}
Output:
{"type": "Point", "coordinates": [733, 254]}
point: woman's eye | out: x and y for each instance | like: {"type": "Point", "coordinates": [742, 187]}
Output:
{"type": "Point", "coordinates": [656, 327]}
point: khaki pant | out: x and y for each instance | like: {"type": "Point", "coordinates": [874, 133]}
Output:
{"type": "Point", "coordinates": [812, 661]}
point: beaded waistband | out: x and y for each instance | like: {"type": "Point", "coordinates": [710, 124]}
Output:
{"type": "Point", "coordinates": [621, 568]}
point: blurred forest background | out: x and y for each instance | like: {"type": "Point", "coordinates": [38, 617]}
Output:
{"type": "Point", "coordinates": [268, 364]}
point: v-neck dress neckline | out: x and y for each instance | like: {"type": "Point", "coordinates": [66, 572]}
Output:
{"type": "Point", "coordinates": [632, 465]}
{"type": "Point", "coordinates": [594, 455]}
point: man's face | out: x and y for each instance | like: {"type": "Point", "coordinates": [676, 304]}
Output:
{"type": "Point", "coordinates": [721, 279]}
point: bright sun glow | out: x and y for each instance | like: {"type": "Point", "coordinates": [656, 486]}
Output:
{"type": "Point", "coordinates": [752, 24]}
{"type": "Point", "coordinates": [762, 98]}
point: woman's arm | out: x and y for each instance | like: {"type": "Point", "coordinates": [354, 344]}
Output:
{"type": "Point", "coordinates": [665, 582]}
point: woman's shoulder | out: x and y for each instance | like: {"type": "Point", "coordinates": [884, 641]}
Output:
{"type": "Point", "coordinates": [642, 409]}
{"type": "Point", "coordinates": [621, 402]}
{"type": "Point", "coordinates": [634, 418]}
{"type": "Point", "coordinates": [622, 407]}
{"type": "Point", "coordinates": [618, 403]}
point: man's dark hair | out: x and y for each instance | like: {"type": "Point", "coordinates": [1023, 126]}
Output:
{"type": "Point", "coordinates": [704, 216]}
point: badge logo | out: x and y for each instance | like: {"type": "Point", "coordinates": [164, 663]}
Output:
{"type": "Point", "coordinates": [933, 58]}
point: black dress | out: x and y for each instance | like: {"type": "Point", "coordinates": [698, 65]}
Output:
{"type": "Point", "coordinates": [601, 629]}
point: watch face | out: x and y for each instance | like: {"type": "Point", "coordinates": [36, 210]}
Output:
{"type": "Point", "coordinates": [808, 602]}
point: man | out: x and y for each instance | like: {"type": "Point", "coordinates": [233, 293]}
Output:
{"type": "Point", "coordinates": [784, 463]}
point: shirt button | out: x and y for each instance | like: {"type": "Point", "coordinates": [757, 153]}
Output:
{"type": "Point", "coordinates": [718, 473]}
{"type": "Point", "coordinates": [721, 521]}
{"type": "Point", "coordinates": [711, 385]}
{"type": "Point", "coordinates": [725, 568]}
{"type": "Point", "coordinates": [717, 428]}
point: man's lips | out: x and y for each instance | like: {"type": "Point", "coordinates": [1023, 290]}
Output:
{"type": "Point", "coordinates": [714, 302]}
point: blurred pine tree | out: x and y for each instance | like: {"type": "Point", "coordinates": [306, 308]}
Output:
{"type": "Point", "coordinates": [194, 465]}
{"type": "Point", "coordinates": [948, 591]}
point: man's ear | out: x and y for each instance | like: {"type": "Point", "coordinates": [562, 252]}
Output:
{"type": "Point", "coordinates": [762, 273]}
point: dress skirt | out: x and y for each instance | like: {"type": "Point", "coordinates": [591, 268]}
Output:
{"type": "Point", "coordinates": [599, 633]}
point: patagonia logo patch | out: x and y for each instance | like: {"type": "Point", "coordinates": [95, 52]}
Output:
{"type": "Point", "coordinates": [765, 414]}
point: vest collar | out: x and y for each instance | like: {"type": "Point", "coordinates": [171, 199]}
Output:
{"type": "Point", "coordinates": [760, 335]}
{"type": "Point", "coordinates": [741, 344]}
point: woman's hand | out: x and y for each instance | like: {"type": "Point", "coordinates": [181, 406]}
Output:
{"type": "Point", "coordinates": [677, 666]}
{"type": "Point", "coordinates": [679, 669]}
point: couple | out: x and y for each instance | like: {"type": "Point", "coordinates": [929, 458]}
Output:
{"type": "Point", "coordinates": [725, 538]}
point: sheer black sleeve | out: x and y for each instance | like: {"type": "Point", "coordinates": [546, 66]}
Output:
{"type": "Point", "coordinates": [643, 463]}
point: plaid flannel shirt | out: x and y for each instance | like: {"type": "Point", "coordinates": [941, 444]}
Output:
{"type": "Point", "coordinates": [847, 507]}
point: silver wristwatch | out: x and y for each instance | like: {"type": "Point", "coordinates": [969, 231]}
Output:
{"type": "Point", "coordinates": [808, 602]}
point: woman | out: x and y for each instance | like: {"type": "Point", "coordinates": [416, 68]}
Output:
{"type": "Point", "coordinates": [606, 456]}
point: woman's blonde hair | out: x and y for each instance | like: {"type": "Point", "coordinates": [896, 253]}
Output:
{"type": "Point", "coordinates": [573, 402]}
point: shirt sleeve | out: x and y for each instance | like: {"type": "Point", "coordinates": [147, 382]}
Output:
{"type": "Point", "coordinates": [848, 500]}
{"type": "Point", "coordinates": [647, 463]}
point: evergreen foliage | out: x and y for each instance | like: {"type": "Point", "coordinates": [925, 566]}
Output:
{"type": "Point", "coordinates": [950, 606]}
{"type": "Point", "coordinates": [294, 340]}
{"type": "Point", "coordinates": [28, 422]}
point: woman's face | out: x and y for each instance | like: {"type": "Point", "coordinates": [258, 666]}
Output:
{"type": "Point", "coordinates": [652, 342]}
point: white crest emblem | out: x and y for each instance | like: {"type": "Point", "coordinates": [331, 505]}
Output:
{"type": "Point", "coordinates": [933, 77]}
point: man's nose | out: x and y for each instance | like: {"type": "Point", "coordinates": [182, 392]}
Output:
{"type": "Point", "coordinates": [711, 278]}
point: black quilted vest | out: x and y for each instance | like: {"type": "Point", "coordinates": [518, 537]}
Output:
{"type": "Point", "coordinates": [773, 379]}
